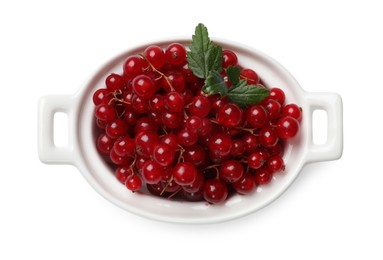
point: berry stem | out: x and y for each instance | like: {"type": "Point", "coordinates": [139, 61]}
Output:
{"type": "Point", "coordinates": [157, 71]}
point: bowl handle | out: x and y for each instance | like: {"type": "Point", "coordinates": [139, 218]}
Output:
{"type": "Point", "coordinates": [48, 152]}
{"type": "Point", "coordinates": [332, 149]}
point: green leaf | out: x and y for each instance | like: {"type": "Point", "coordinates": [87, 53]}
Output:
{"type": "Point", "coordinates": [233, 73]}
{"type": "Point", "coordinates": [203, 56]}
{"type": "Point", "coordinates": [215, 84]}
{"type": "Point", "coordinates": [244, 95]}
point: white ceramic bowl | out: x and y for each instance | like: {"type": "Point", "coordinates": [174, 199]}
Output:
{"type": "Point", "coordinates": [81, 150]}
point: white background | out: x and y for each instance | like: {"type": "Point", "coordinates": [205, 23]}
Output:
{"type": "Point", "coordinates": [332, 211]}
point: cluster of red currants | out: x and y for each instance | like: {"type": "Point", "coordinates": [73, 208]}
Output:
{"type": "Point", "coordinates": [159, 130]}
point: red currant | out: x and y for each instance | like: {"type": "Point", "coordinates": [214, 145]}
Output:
{"type": "Point", "coordinates": [124, 146]}
{"type": "Point", "coordinates": [133, 182]}
{"type": "Point", "coordinates": [184, 173]}
{"type": "Point", "coordinates": [143, 86]}
{"type": "Point", "coordinates": [268, 137]}
{"type": "Point", "coordinates": [105, 112]}
{"type": "Point", "coordinates": [229, 59]}
{"type": "Point", "coordinates": [245, 184]}
{"type": "Point", "coordinates": [263, 176]}
{"type": "Point", "coordinates": [145, 143]}
{"type": "Point", "coordinates": [163, 154]}
{"type": "Point", "coordinates": [250, 76]}
{"type": "Point", "coordinates": [256, 116]}
{"type": "Point", "coordinates": [174, 102]}
{"type": "Point", "coordinates": [231, 171]}
{"type": "Point", "coordinates": [229, 115]}
{"type": "Point", "coordinates": [199, 106]}
{"type": "Point", "coordinates": [220, 144]}
{"type": "Point", "coordinates": [215, 191]}
{"type": "Point", "coordinates": [152, 172]}
{"type": "Point", "coordinates": [287, 127]}
{"type": "Point", "coordinates": [275, 164]}
{"type": "Point", "coordinates": [114, 82]}
{"type": "Point", "coordinates": [292, 110]}
{"type": "Point", "coordinates": [175, 54]}
{"type": "Point", "coordinates": [155, 55]}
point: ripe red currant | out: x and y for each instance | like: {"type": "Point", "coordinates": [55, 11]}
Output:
{"type": "Point", "coordinates": [215, 191]}
{"type": "Point", "coordinates": [229, 115]}
{"type": "Point", "coordinates": [287, 127]}
{"type": "Point", "coordinates": [175, 54]}
{"type": "Point", "coordinates": [184, 173]}
{"type": "Point", "coordinates": [155, 55]}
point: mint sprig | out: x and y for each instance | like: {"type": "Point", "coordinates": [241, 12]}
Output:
{"type": "Point", "coordinates": [205, 61]}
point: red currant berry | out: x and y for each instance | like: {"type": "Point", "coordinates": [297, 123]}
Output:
{"type": "Point", "coordinates": [268, 137]}
{"type": "Point", "coordinates": [292, 110]}
{"type": "Point", "coordinates": [184, 173]}
{"type": "Point", "coordinates": [140, 105]}
{"type": "Point", "coordinates": [155, 55]}
{"type": "Point", "coordinates": [175, 54]}
{"type": "Point", "coordinates": [195, 154]}
{"type": "Point", "coordinates": [263, 176]}
{"type": "Point", "coordinates": [229, 115]}
{"type": "Point", "coordinates": [174, 102]}
{"type": "Point", "coordinates": [100, 96]}
{"type": "Point", "coordinates": [220, 144]}
{"type": "Point", "coordinates": [143, 86]}
{"type": "Point", "coordinates": [231, 171]}
{"type": "Point", "coordinates": [172, 120]}
{"type": "Point", "coordinates": [133, 182]}
{"type": "Point", "coordinates": [256, 116]}
{"type": "Point", "coordinates": [278, 95]}
{"type": "Point", "coordinates": [124, 146]}
{"type": "Point", "coordinates": [173, 81]}
{"type": "Point", "coordinates": [152, 172]}
{"type": "Point", "coordinates": [116, 128]}
{"type": "Point", "coordinates": [145, 143]}
{"type": "Point", "coordinates": [171, 140]}
{"type": "Point", "coordinates": [238, 148]}
{"type": "Point", "coordinates": [131, 117]}
{"type": "Point", "coordinates": [187, 137]}
{"type": "Point", "coordinates": [157, 103]}
{"type": "Point", "coordinates": [275, 164]}
{"type": "Point", "coordinates": [163, 154]}
{"type": "Point", "coordinates": [215, 191]}
{"type": "Point", "coordinates": [229, 59]}
{"type": "Point", "coordinates": [287, 127]}
{"type": "Point", "coordinates": [104, 144]}
{"type": "Point", "coordinates": [251, 142]}
{"type": "Point", "coordinates": [135, 65]}
{"type": "Point", "coordinates": [273, 109]}
{"type": "Point", "coordinates": [250, 76]}
{"type": "Point", "coordinates": [114, 82]}
{"type": "Point", "coordinates": [255, 160]}
{"type": "Point", "coordinates": [105, 112]}
{"type": "Point", "coordinates": [193, 123]}
{"type": "Point", "coordinates": [245, 184]}
{"type": "Point", "coordinates": [199, 106]}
